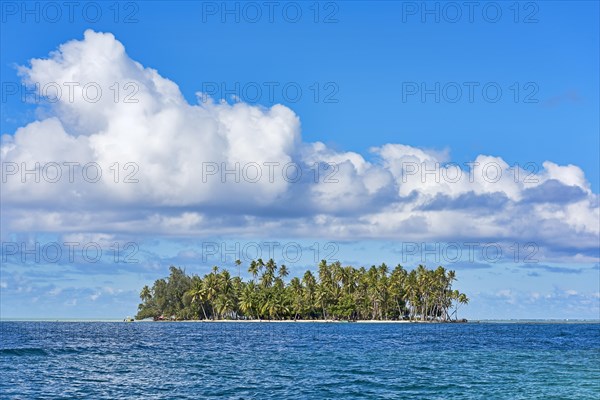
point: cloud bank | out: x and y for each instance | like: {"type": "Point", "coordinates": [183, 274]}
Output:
{"type": "Point", "coordinates": [169, 167]}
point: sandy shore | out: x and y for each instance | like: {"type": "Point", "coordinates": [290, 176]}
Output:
{"type": "Point", "coordinates": [327, 321]}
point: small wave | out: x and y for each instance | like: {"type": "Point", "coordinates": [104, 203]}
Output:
{"type": "Point", "coordinates": [38, 351]}
{"type": "Point", "coordinates": [33, 351]}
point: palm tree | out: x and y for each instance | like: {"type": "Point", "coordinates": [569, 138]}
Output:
{"type": "Point", "coordinates": [145, 294]}
{"type": "Point", "coordinates": [462, 299]}
{"type": "Point", "coordinates": [296, 296]}
{"type": "Point", "coordinates": [211, 290]}
{"type": "Point", "coordinates": [225, 299]}
{"type": "Point", "coordinates": [247, 300]}
{"type": "Point", "coordinates": [283, 271]}
{"type": "Point", "coordinates": [269, 275]}
{"type": "Point", "coordinates": [253, 269]}
{"type": "Point", "coordinates": [275, 305]}
{"type": "Point", "coordinates": [238, 263]}
{"type": "Point", "coordinates": [310, 283]}
{"type": "Point", "coordinates": [373, 292]}
{"type": "Point", "coordinates": [397, 289]}
{"type": "Point", "coordinates": [198, 295]}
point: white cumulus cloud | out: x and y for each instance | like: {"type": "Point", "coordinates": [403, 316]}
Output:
{"type": "Point", "coordinates": [174, 154]}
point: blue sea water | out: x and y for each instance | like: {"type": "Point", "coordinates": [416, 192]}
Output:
{"type": "Point", "coordinates": [97, 360]}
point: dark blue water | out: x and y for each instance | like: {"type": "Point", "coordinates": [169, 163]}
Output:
{"type": "Point", "coordinates": [97, 360]}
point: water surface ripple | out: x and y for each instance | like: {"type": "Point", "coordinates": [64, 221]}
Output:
{"type": "Point", "coordinates": [98, 360]}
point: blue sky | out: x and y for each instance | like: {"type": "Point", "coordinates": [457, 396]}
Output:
{"type": "Point", "coordinates": [365, 61]}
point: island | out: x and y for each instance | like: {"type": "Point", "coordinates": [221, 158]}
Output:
{"type": "Point", "coordinates": [336, 293]}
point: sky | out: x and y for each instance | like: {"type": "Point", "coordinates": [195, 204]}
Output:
{"type": "Point", "coordinates": [197, 133]}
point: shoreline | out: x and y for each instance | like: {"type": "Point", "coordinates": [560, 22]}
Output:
{"type": "Point", "coordinates": [234, 321]}
{"type": "Point", "coordinates": [303, 321]}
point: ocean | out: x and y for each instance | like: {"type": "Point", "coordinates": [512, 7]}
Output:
{"type": "Point", "coordinates": [102, 360]}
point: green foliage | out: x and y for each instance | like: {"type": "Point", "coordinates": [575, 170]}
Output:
{"type": "Point", "coordinates": [339, 293]}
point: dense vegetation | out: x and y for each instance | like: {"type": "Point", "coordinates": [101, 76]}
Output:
{"type": "Point", "coordinates": [337, 293]}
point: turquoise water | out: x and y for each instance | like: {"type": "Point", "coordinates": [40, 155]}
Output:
{"type": "Point", "coordinates": [99, 360]}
